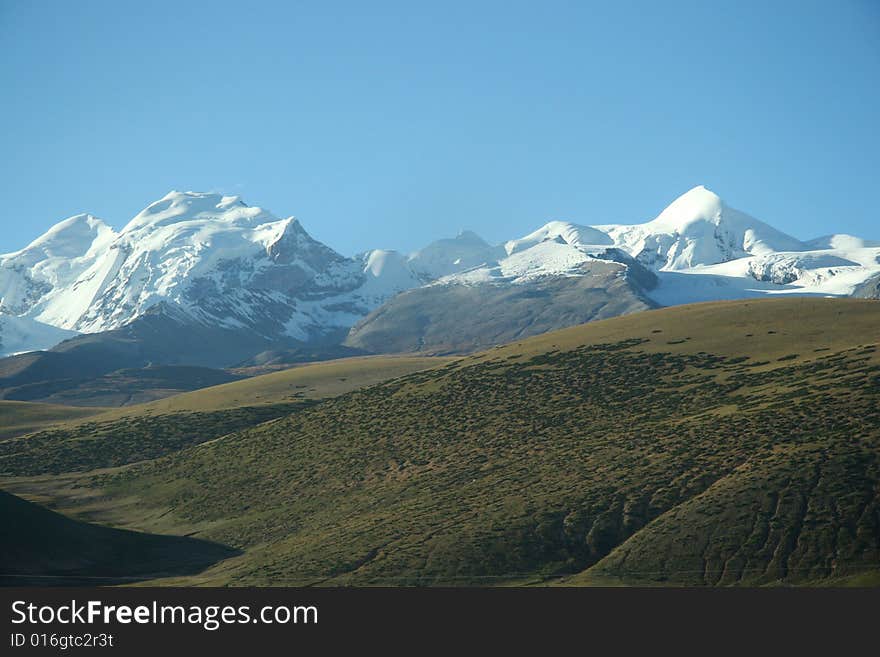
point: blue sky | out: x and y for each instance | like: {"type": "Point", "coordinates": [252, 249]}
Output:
{"type": "Point", "coordinates": [389, 124]}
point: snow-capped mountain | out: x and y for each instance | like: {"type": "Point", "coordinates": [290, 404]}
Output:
{"type": "Point", "coordinates": [698, 229]}
{"type": "Point", "coordinates": [36, 282]}
{"type": "Point", "coordinates": [700, 248]}
{"type": "Point", "coordinates": [704, 250]}
{"type": "Point", "coordinates": [214, 261]}
{"type": "Point", "coordinates": [225, 264]}
{"type": "Point", "coordinates": [697, 249]}
{"type": "Point", "coordinates": [448, 256]}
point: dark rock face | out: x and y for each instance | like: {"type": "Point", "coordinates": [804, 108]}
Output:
{"type": "Point", "coordinates": [458, 318]}
{"type": "Point", "coordinates": [870, 289]}
{"type": "Point", "coordinates": [636, 272]}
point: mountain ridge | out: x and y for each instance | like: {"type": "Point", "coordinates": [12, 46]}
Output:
{"type": "Point", "coordinates": [213, 260]}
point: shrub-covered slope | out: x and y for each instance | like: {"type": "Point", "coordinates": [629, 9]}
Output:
{"type": "Point", "coordinates": [719, 443]}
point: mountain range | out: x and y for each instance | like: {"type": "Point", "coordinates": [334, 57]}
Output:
{"type": "Point", "coordinates": [470, 423]}
{"type": "Point", "coordinates": [205, 279]}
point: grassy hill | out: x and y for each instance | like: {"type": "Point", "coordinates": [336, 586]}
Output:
{"type": "Point", "coordinates": [310, 381]}
{"type": "Point", "coordinates": [302, 382]}
{"type": "Point", "coordinates": [45, 548]}
{"type": "Point", "coordinates": [41, 438]}
{"type": "Point", "coordinates": [714, 444]}
{"type": "Point", "coordinates": [18, 418]}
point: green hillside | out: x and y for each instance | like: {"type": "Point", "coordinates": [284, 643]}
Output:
{"type": "Point", "coordinates": [311, 381]}
{"type": "Point", "coordinates": [72, 439]}
{"type": "Point", "coordinates": [723, 443]}
{"type": "Point", "coordinates": [107, 443]}
{"type": "Point", "coordinates": [18, 418]}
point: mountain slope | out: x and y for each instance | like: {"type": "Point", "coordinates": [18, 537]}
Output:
{"type": "Point", "coordinates": [554, 455]}
{"type": "Point", "coordinates": [37, 281]}
{"type": "Point", "coordinates": [122, 387]}
{"type": "Point", "coordinates": [459, 317]}
{"type": "Point", "coordinates": [215, 260]}
{"type": "Point", "coordinates": [22, 334]}
{"type": "Point", "coordinates": [870, 289]}
{"type": "Point", "coordinates": [157, 337]}
{"type": "Point", "coordinates": [698, 248]}
{"type": "Point", "coordinates": [48, 549]}
{"type": "Point", "coordinates": [698, 228]}
{"type": "Point", "coordinates": [224, 264]}
{"type": "Point", "coordinates": [39, 438]}
{"type": "Point", "coordinates": [18, 418]}
{"type": "Point", "coordinates": [805, 512]}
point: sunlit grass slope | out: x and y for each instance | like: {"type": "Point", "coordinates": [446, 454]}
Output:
{"type": "Point", "coordinates": [716, 444]}
{"type": "Point", "coordinates": [18, 418]}
{"type": "Point", "coordinates": [74, 439]}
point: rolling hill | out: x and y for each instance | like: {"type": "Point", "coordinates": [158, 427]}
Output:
{"type": "Point", "coordinates": [723, 443]}
{"type": "Point", "coordinates": [43, 438]}
{"type": "Point", "coordinates": [44, 548]}
{"type": "Point", "coordinates": [19, 418]}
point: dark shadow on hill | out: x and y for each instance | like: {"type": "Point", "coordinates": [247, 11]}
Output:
{"type": "Point", "coordinates": [40, 547]}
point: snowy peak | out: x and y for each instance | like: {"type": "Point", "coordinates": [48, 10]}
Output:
{"type": "Point", "coordinates": [70, 238]}
{"type": "Point", "coordinates": [222, 261]}
{"type": "Point", "coordinates": [471, 238]}
{"type": "Point", "coordinates": [562, 232]}
{"type": "Point", "coordinates": [694, 206]}
{"type": "Point", "coordinates": [690, 212]}
{"type": "Point", "coordinates": [698, 228]}
{"type": "Point", "coordinates": [732, 253]}
{"type": "Point", "coordinates": [841, 241]}
{"type": "Point", "coordinates": [49, 266]}
{"type": "Point", "coordinates": [387, 271]}
{"type": "Point", "coordinates": [290, 241]}
{"type": "Point", "coordinates": [448, 256]}
{"type": "Point", "coordinates": [556, 249]}
{"type": "Point", "coordinates": [199, 223]}
{"type": "Point", "coordinates": [185, 206]}
{"type": "Point", "coordinates": [212, 259]}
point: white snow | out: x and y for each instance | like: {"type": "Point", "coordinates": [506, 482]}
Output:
{"type": "Point", "coordinates": [22, 334]}
{"type": "Point", "coordinates": [387, 271]}
{"type": "Point", "coordinates": [448, 256]}
{"type": "Point", "coordinates": [701, 250]}
{"type": "Point", "coordinates": [55, 272]}
{"type": "Point", "coordinates": [547, 258]}
{"type": "Point", "coordinates": [212, 257]}
{"type": "Point", "coordinates": [841, 242]}
{"type": "Point", "coordinates": [563, 232]}
{"type": "Point", "coordinates": [217, 260]}
{"type": "Point", "coordinates": [697, 228]}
